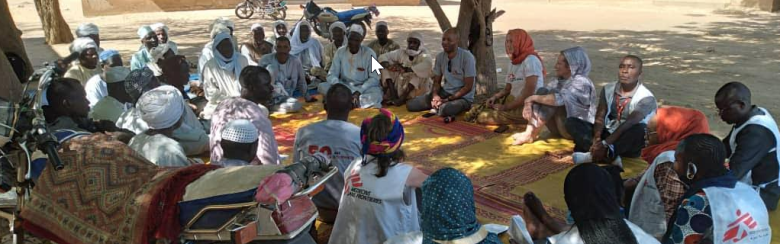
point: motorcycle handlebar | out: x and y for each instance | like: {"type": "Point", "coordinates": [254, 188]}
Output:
{"type": "Point", "coordinates": [50, 148]}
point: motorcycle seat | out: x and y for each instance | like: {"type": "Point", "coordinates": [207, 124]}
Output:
{"type": "Point", "coordinates": [327, 17]}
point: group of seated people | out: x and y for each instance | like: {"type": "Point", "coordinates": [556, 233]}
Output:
{"type": "Point", "coordinates": [696, 186]}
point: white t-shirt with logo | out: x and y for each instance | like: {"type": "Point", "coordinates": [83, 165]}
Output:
{"type": "Point", "coordinates": [531, 66]}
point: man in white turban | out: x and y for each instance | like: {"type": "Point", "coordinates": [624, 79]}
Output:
{"type": "Point", "coordinates": [280, 29]}
{"type": "Point", "coordinates": [221, 73]}
{"type": "Point", "coordinates": [206, 54]}
{"type": "Point", "coordinates": [88, 60]}
{"type": "Point", "coordinates": [257, 47]}
{"type": "Point", "coordinates": [239, 143]}
{"type": "Point", "coordinates": [383, 44]}
{"type": "Point", "coordinates": [89, 30]}
{"type": "Point", "coordinates": [407, 71]}
{"type": "Point", "coordinates": [161, 30]}
{"type": "Point", "coordinates": [162, 110]}
{"type": "Point", "coordinates": [337, 33]}
{"type": "Point", "coordinates": [352, 67]}
{"type": "Point", "coordinates": [308, 50]}
{"type": "Point", "coordinates": [96, 86]}
{"type": "Point", "coordinates": [112, 106]}
{"type": "Point", "coordinates": [148, 41]}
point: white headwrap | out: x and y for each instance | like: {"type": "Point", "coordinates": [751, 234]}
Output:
{"type": "Point", "coordinates": [357, 29]}
{"type": "Point", "coordinates": [83, 43]}
{"type": "Point", "coordinates": [256, 26]}
{"type": "Point", "coordinates": [240, 131]}
{"type": "Point", "coordinates": [159, 26]}
{"type": "Point", "coordinates": [418, 36]}
{"type": "Point", "coordinates": [337, 24]}
{"type": "Point", "coordinates": [87, 29]}
{"type": "Point", "coordinates": [143, 31]}
{"type": "Point", "coordinates": [115, 74]}
{"type": "Point", "coordinates": [224, 21]}
{"type": "Point", "coordinates": [314, 46]}
{"type": "Point", "coordinates": [157, 53]}
{"type": "Point", "coordinates": [281, 22]}
{"type": "Point", "coordinates": [226, 63]}
{"type": "Point", "coordinates": [161, 107]}
{"type": "Point", "coordinates": [381, 23]}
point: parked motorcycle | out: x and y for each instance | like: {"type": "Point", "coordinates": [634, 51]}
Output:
{"type": "Point", "coordinates": [275, 9]}
{"type": "Point", "coordinates": [322, 18]}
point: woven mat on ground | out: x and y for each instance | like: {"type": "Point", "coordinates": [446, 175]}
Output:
{"type": "Point", "coordinates": [107, 193]}
{"type": "Point", "coordinates": [501, 173]}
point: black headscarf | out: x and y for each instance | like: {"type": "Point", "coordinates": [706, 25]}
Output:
{"type": "Point", "coordinates": [591, 196]}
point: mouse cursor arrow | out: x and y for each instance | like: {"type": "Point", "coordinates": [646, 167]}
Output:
{"type": "Point", "coordinates": [376, 66]}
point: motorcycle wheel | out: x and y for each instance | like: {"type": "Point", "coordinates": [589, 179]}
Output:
{"type": "Point", "coordinates": [280, 15]}
{"type": "Point", "coordinates": [244, 10]}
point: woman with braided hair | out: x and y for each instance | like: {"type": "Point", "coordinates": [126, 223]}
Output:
{"type": "Point", "coordinates": [379, 198]}
{"type": "Point", "coordinates": [716, 208]}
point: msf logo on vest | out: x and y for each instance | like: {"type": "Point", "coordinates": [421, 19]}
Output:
{"type": "Point", "coordinates": [354, 181]}
{"type": "Point", "coordinates": [738, 230]}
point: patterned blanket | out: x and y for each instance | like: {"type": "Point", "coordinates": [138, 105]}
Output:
{"type": "Point", "coordinates": [107, 193]}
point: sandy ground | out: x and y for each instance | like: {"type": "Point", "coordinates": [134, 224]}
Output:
{"type": "Point", "coordinates": [689, 53]}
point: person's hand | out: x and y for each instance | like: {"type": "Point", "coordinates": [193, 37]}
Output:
{"type": "Point", "coordinates": [528, 111]}
{"type": "Point", "coordinates": [598, 151]}
{"type": "Point", "coordinates": [491, 100]}
{"type": "Point", "coordinates": [498, 107]}
{"type": "Point", "coordinates": [311, 100]}
{"type": "Point", "coordinates": [397, 68]}
{"type": "Point", "coordinates": [436, 101]}
{"type": "Point", "coordinates": [106, 126]}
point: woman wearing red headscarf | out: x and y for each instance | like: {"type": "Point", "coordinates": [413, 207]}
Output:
{"type": "Point", "coordinates": [525, 76]}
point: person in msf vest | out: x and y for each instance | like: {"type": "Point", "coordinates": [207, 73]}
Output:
{"type": "Point", "coordinates": [624, 109]}
{"type": "Point", "coordinates": [379, 200]}
{"type": "Point", "coordinates": [716, 208]}
{"type": "Point", "coordinates": [751, 144]}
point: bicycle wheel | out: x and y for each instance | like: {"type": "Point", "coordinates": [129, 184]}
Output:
{"type": "Point", "coordinates": [244, 10]}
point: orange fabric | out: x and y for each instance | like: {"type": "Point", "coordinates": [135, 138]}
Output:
{"type": "Point", "coordinates": [674, 124]}
{"type": "Point", "coordinates": [524, 46]}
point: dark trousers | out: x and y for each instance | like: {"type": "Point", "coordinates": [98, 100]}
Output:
{"type": "Point", "coordinates": [451, 108]}
{"type": "Point", "coordinates": [629, 145]}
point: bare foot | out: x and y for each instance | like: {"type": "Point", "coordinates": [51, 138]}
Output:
{"type": "Point", "coordinates": [536, 228]}
{"type": "Point", "coordinates": [536, 206]}
{"type": "Point", "coordinates": [522, 138]}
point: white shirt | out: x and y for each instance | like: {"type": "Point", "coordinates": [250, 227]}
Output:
{"type": "Point", "coordinates": [219, 84]}
{"type": "Point", "coordinates": [160, 150]}
{"type": "Point", "coordinates": [108, 108]}
{"type": "Point", "coordinates": [531, 66]}
{"type": "Point", "coordinates": [191, 134]}
{"type": "Point", "coordinates": [96, 89]}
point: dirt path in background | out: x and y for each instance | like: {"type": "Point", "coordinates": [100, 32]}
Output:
{"type": "Point", "coordinates": [688, 53]}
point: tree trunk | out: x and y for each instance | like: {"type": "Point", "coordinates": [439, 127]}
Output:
{"type": "Point", "coordinates": [444, 22]}
{"type": "Point", "coordinates": [54, 26]}
{"type": "Point", "coordinates": [12, 37]}
{"type": "Point", "coordinates": [475, 24]}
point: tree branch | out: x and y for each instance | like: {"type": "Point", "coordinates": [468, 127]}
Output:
{"type": "Point", "coordinates": [441, 17]}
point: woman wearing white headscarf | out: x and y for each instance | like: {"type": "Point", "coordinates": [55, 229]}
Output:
{"type": "Point", "coordinates": [279, 29]}
{"type": "Point", "coordinates": [88, 60]}
{"type": "Point", "coordinates": [161, 30]}
{"type": "Point", "coordinates": [221, 73]}
{"type": "Point", "coordinates": [161, 110]}
{"type": "Point", "coordinates": [148, 41]}
{"type": "Point", "coordinates": [571, 95]}
{"type": "Point", "coordinates": [307, 49]}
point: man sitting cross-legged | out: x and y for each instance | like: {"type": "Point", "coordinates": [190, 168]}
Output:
{"type": "Point", "coordinates": [335, 137]}
{"type": "Point", "coordinates": [352, 67]}
{"type": "Point", "coordinates": [408, 73]}
{"type": "Point", "coordinates": [290, 77]}
{"type": "Point", "coordinates": [456, 69]}
{"type": "Point", "coordinates": [624, 109]}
